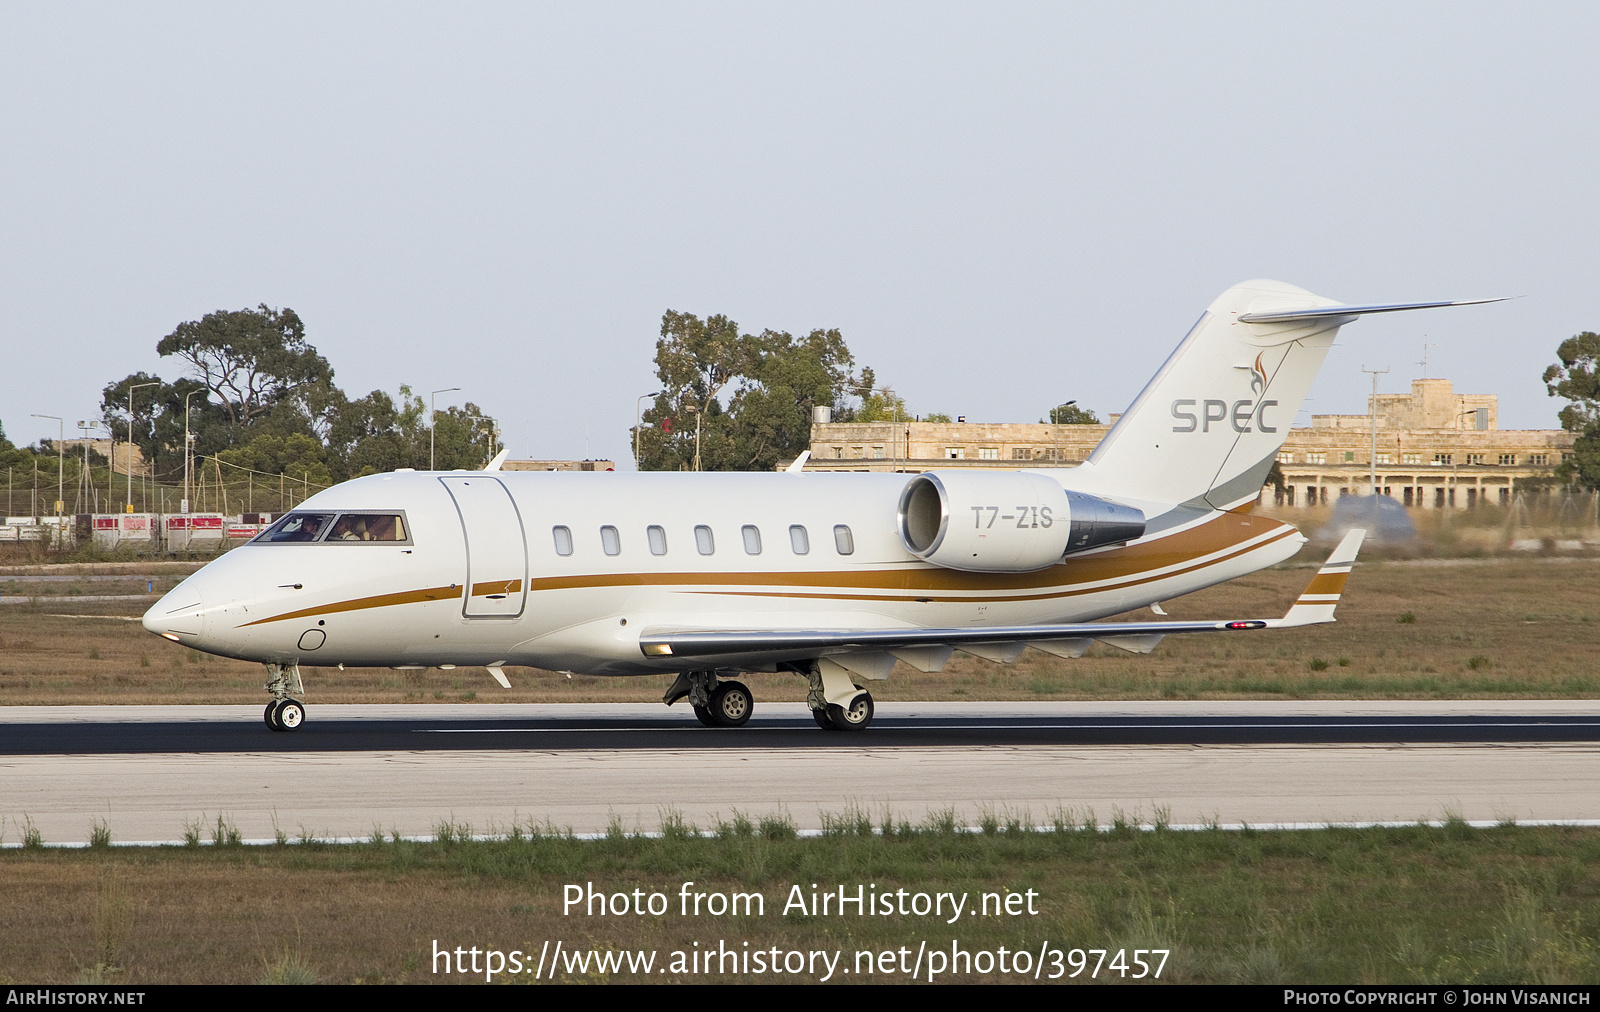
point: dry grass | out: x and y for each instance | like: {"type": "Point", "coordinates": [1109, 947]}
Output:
{"type": "Point", "coordinates": [1492, 627]}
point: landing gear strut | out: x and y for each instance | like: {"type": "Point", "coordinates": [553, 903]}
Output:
{"type": "Point", "coordinates": [837, 703]}
{"type": "Point", "coordinates": [724, 704]}
{"type": "Point", "coordinates": [285, 713]}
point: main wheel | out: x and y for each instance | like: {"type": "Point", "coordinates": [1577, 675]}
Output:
{"type": "Point", "coordinates": [703, 715]}
{"type": "Point", "coordinates": [291, 714]}
{"type": "Point", "coordinates": [732, 704]}
{"type": "Point", "coordinates": [821, 717]}
{"type": "Point", "coordinates": [271, 717]}
{"type": "Point", "coordinates": [853, 717]}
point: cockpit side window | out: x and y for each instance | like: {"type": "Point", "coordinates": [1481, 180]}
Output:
{"type": "Point", "coordinates": [296, 527]}
{"type": "Point", "coordinates": [390, 527]}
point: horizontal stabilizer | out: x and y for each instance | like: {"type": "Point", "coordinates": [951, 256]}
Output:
{"type": "Point", "coordinates": [1325, 312]}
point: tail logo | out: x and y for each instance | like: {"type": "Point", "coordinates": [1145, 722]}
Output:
{"type": "Point", "coordinates": [1244, 415]}
{"type": "Point", "coordinates": [1258, 378]}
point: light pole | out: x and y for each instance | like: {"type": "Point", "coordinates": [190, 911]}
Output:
{"type": "Point", "coordinates": [153, 383]}
{"type": "Point", "coordinates": [432, 417]}
{"type": "Point", "coordinates": [61, 458]}
{"type": "Point", "coordinates": [186, 438]}
{"type": "Point", "coordinates": [638, 421]}
{"type": "Point", "coordinates": [1372, 462]}
{"type": "Point", "coordinates": [697, 415]}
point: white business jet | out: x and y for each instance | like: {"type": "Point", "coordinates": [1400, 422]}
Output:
{"type": "Point", "coordinates": [833, 577]}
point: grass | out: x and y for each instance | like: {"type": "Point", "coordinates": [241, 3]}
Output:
{"type": "Point", "coordinates": [1416, 904]}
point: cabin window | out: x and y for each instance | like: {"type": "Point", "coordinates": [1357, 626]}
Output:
{"type": "Point", "coordinates": [703, 542]}
{"type": "Point", "coordinates": [752, 539]}
{"type": "Point", "coordinates": [799, 540]}
{"type": "Point", "coordinates": [658, 539]}
{"type": "Point", "coordinates": [368, 527]}
{"type": "Point", "coordinates": [610, 540]}
{"type": "Point", "coordinates": [296, 527]}
{"type": "Point", "coordinates": [843, 541]}
{"type": "Point", "coordinates": [563, 536]}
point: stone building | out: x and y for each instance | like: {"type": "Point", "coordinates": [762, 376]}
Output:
{"type": "Point", "coordinates": [558, 465]}
{"type": "Point", "coordinates": [1435, 448]}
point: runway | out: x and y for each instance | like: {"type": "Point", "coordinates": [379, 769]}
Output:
{"type": "Point", "coordinates": [149, 771]}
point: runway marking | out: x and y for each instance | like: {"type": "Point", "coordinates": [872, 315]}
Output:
{"type": "Point", "coordinates": [1019, 727]}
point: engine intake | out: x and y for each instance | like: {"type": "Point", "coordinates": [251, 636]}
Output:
{"type": "Point", "coordinates": [1013, 522]}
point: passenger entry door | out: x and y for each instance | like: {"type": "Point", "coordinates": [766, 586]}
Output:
{"type": "Point", "coordinates": [497, 551]}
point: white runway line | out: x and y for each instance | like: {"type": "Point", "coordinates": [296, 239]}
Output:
{"type": "Point", "coordinates": [655, 711]}
{"type": "Point", "coordinates": [152, 797]}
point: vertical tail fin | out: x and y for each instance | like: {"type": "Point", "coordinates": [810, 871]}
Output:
{"type": "Point", "coordinates": [1207, 428]}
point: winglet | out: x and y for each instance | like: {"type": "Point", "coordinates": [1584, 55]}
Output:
{"type": "Point", "coordinates": [499, 458]}
{"type": "Point", "coordinates": [799, 462]}
{"type": "Point", "coordinates": [1316, 603]}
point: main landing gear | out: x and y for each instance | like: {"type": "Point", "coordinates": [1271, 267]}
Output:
{"type": "Point", "coordinates": [284, 713]}
{"type": "Point", "coordinates": [837, 704]}
{"type": "Point", "coordinates": [715, 704]}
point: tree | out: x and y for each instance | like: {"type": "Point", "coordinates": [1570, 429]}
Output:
{"type": "Point", "coordinates": [771, 382]}
{"type": "Point", "coordinates": [296, 455]}
{"type": "Point", "coordinates": [1577, 379]}
{"type": "Point", "coordinates": [1070, 414]}
{"type": "Point", "coordinates": [250, 359]}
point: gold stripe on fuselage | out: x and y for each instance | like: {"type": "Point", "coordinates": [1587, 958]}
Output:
{"type": "Point", "coordinates": [1217, 540]}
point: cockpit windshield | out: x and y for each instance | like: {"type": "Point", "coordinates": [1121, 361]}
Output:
{"type": "Point", "coordinates": [340, 528]}
{"type": "Point", "coordinates": [297, 527]}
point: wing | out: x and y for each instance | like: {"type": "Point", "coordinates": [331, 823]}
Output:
{"type": "Point", "coordinates": [1315, 605]}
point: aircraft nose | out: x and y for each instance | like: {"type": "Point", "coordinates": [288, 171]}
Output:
{"type": "Point", "coordinates": [179, 616]}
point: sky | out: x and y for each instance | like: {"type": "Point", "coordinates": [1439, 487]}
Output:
{"type": "Point", "coordinates": [1002, 207]}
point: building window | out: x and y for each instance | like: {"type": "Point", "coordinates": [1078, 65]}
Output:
{"type": "Point", "coordinates": [1317, 457]}
{"type": "Point", "coordinates": [1349, 456]}
{"type": "Point", "coordinates": [989, 453]}
{"type": "Point", "coordinates": [1442, 459]}
{"type": "Point", "coordinates": [1411, 458]}
{"type": "Point", "coordinates": [858, 452]}
{"type": "Point", "coordinates": [877, 453]}
{"type": "Point", "coordinates": [1539, 459]}
{"type": "Point", "coordinates": [752, 540]}
{"type": "Point", "coordinates": [955, 453]}
{"type": "Point", "coordinates": [1021, 453]}
{"type": "Point", "coordinates": [799, 540]}
{"type": "Point", "coordinates": [1285, 457]}
{"type": "Point", "coordinates": [1385, 458]}
{"type": "Point", "coordinates": [838, 453]}
{"type": "Point", "coordinates": [657, 538]}
{"type": "Point", "coordinates": [842, 541]}
{"type": "Point", "coordinates": [1474, 458]}
{"type": "Point", "coordinates": [1566, 457]}
{"type": "Point", "coordinates": [704, 543]}
{"type": "Point", "coordinates": [563, 536]}
{"type": "Point", "coordinates": [1507, 459]}
{"type": "Point", "coordinates": [610, 540]}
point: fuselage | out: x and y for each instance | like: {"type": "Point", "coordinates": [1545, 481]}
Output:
{"type": "Point", "coordinates": [564, 570]}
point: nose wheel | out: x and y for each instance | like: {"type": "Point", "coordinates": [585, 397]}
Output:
{"type": "Point", "coordinates": [285, 714]}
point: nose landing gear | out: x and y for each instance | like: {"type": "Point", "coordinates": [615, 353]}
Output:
{"type": "Point", "coordinates": [284, 713]}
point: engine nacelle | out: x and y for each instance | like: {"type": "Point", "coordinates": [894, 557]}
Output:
{"type": "Point", "coordinates": [1005, 522]}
